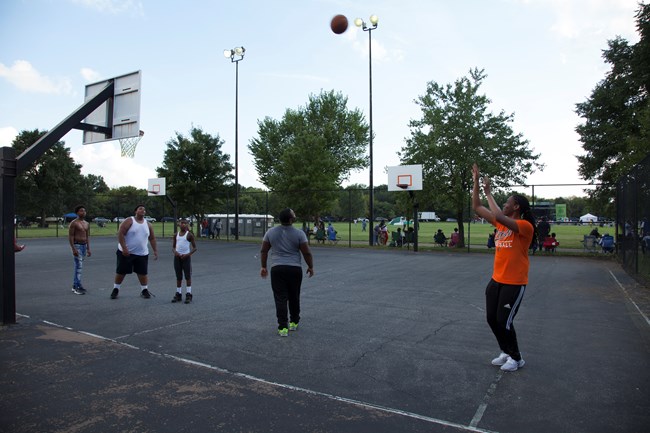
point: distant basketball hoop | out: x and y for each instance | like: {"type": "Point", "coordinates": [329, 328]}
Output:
{"type": "Point", "coordinates": [129, 144]}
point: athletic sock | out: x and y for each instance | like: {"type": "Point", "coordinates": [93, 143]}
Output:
{"type": "Point", "coordinates": [144, 287]}
{"type": "Point", "coordinates": [117, 286]}
{"type": "Point", "coordinates": [178, 290]}
{"type": "Point", "coordinates": [188, 289]}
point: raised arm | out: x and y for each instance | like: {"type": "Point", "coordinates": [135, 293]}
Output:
{"type": "Point", "coordinates": [478, 207]}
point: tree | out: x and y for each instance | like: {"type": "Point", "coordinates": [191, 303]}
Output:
{"type": "Point", "coordinates": [615, 133]}
{"type": "Point", "coordinates": [455, 131]}
{"type": "Point", "coordinates": [196, 170]}
{"type": "Point", "coordinates": [53, 183]}
{"type": "Point", "coordinates": [306, 155]}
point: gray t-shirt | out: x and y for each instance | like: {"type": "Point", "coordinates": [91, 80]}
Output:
{"type": "Point", "coordinates": [285, 245]}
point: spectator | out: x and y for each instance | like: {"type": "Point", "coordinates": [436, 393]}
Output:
{"type": "Point", "coordinates": [595, 233]}
{"type": "Point", "coordinates": [455, 239]}
{"type": "Point", "coordinates": [607, 243]}
{"type": "Point", "coordinates": [550, 243]}
{"type": "Point", "coordinates": [490, 243]}
{"type": "Point", "coordinates": [543, 229]}
{"type": "Point", "coordinates": [440, 238]}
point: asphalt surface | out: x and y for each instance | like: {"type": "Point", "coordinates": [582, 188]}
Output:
{"type": "Point", "coordinates": [389, 341]}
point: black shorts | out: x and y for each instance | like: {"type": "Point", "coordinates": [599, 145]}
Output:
{"type": "Point", "coordinates": [183, 267]}
{"type": "Point", "coordinates": [131, 263]}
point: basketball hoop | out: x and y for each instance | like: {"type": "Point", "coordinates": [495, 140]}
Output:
{"type": "Point", "coordinates": [403, 185]}
{"type": "Point", "coordinates": [128, 145]}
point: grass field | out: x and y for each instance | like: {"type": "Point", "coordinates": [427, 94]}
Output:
{"type": "Point", "coordinates": [569, 236]}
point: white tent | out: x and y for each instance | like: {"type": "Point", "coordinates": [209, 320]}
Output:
{"type": "Point", "coordinates": [588, 218]}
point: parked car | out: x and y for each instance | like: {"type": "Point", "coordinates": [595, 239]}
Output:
{"type": "Point", "coordinates": [101, 221]}
{"type": "Point", "coordinates": [167, 219]}
{"type": "Point", "coordinates": [150, 219]}
{"type": "Point", "coordinates": [118, 219]}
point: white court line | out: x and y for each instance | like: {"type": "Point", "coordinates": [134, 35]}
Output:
{"type": "Point", "coordinates": [483, 406]}
{"type": "Point", "coordinates": [469, 428]}
{"type": "Point", "coordinates": [146, 331]}
{"type": "Point", "coordinates": [627, 295]}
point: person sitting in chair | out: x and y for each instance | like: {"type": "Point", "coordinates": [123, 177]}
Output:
{"type": "Point", "coordinates": [550, 243]}
{"type": "Point", "coordinates": [440, 238]}
{"type": "Point", "coordinates": [607, 243]}
{"type": "Point", "coordinates": [455, 239]}
{"type": "Point", "coordinates": [331, 233]}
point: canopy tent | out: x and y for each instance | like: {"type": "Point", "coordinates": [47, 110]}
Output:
{"type": "Point", "coordinates": [70, 215]}
{"type": "Point", "coordinates": [400, 221]}
{"type": "Point", "coordinates": [588, 218]}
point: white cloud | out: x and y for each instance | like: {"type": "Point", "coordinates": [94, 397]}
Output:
{"type": "Point", "coordinates": [379, 51]}
{"type": "Point", "coordinates": [104, 159]}
{"type": "Point", "coordinates": [23, 75]}
{"type": "Point", "coordinates": [7, 135]}
{"type": "Point", "coordinates": [114, 6]}
{"type": "Point", "coordinates": [584, 18]}
{"type": "Point", "coordinates": [90, 75]}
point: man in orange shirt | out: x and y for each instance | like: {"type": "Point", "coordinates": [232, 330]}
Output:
{"type": "Point", "coordinates": [515, 233]}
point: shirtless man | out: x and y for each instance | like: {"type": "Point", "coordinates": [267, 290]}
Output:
{"type": "Point", "coordinates": [79, 238]}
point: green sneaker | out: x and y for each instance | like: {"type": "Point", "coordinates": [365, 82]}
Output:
{"type": "Point", "coordinates": [284, 332]}
{"type": "Point", "coordinates": [293, 326]}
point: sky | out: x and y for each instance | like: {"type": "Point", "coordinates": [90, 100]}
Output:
{"type": "Point", "coordinates": [541, 57]}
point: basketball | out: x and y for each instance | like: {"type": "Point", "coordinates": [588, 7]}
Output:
{"type": "Point", "coordinates": [339, 24]}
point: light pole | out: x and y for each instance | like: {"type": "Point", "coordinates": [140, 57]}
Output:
{"type": "Point", "coordinates": [235, 55]}
{"type": "Point", "coordinates": [361, 23]}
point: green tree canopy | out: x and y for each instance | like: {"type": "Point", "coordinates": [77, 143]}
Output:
{"type": "Point", "coordinates": [615, 133]}
{"type": "Point", "coordinates": [455, 130]}
{"type": "Point", "coordinates": [313, 148]}
{"type": "Point", "coordinates": [53, 184]}
{"type": "Point", "coordinates": [196, 171]}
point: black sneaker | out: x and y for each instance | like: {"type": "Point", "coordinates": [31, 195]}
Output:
{"type": "Point", "coordinates": [145, 294]}
{"type": "Point", "coordinates": [114, 293]}
{"type": "Point", "coordinates": [177, 298]}
{"type": "Point", "coordinates": [78, 291]}
{"type": "Point", "coordinates": [188, 298]}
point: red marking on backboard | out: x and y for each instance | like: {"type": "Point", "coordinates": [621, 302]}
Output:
{"type": "Point", "coordinates": [405, 179]}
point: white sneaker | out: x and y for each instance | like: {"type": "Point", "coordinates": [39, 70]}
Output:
{"type": "Point", "coordinates": [501, 359]}
{"type": "Point", "coordinates": [512, 365]}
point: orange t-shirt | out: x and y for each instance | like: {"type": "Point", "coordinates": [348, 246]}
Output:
{"type": "Point", "coordinates": [511, 257]}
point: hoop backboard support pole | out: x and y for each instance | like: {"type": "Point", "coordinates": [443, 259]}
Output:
{"type": "Point", "coordinates": [10, 168]}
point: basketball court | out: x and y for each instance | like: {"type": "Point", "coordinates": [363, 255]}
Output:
{"type": "Point", "coordinates": [389, 341]}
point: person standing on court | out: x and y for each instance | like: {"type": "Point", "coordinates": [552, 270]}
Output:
{"type": "Point", "coordinates": [515, 233]}
{"type": "Point", "coordinates": [286, 243]}
{"type": "Point", "coordinates": [183, 246]}
{"type": "Point", "coordinates": [79, 238]}
{"type": "Point", "coordinates": [132, 253]}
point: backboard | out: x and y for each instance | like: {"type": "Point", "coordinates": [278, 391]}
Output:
{"type": "Point", "coordinates": [120, 114]}
{"type": "Point", "coordinates": [405, 178]}
{"type": "Point", "coordinates": [156, 187]}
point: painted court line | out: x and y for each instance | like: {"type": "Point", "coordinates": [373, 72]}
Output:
{"type": "Point", "coordinates": [627, 295]}
{"type": "Point", "coordinates": [483, 406]}
{"type": "Point", "coordinates": [469, 428]}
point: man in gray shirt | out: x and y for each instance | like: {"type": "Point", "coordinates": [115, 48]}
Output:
{"type": "Point", "coordinates": [287, 243]}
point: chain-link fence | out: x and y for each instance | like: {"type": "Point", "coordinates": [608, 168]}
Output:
{"type": "Point", "coordinates": [347, 210]}
{"type": "Point", "coordinates": [632, 214]}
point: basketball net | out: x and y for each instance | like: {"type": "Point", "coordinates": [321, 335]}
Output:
{"type": "Point", "coordinates": [128, 145]}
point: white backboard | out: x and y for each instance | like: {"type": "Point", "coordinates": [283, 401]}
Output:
{"type": "Point", "coordinates": [156, 187]}
{"type": "Point", "coordinates": [405, 178]}
{"type": "Point", "coordinates": [121, 113]}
